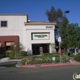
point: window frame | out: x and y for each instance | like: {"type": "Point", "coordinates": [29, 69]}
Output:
{"type": "Point", "coordinates": [3, 21]}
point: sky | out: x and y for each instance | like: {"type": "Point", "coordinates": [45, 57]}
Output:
{"type": "Point", "coordinates": [36, 8]}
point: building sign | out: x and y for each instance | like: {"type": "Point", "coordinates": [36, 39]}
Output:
{"type": "Point", "coordinates": [41, 36]}
{"type": "Point", "coordinates": [49, 27]}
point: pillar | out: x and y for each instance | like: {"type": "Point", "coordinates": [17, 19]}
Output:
{"type": "Point", "coordinates": [52, 48]}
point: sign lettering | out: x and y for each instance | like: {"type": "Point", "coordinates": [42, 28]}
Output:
{"type": "Point", "coordinates": [41, 36]}
{"type": "Point", "coordinates": [49, 26]}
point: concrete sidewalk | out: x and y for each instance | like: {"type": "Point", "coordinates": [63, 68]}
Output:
{"type": "Point", "coordinates": [49, 65]}
{"type": "Point", "coordinates": [8, 62]}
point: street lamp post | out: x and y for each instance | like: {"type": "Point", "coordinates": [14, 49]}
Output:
{"type": "Point", "coordinates": [59, 38]}
{"type": "Point", "coordinates": [59, 51]}
{"type": "Point", "coordinates": [67, 11]}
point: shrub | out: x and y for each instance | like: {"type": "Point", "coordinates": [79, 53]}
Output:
{"type": "Point", "coordinates": [65, 58]}
{"type": "Point", "coordinates": [2, 55]}
{"type": "Point", "coordinates": [30, 57]}
{"type": "Point", "coordinates": [53, 54]}
{"type": "Point", "coordinates": [77, 57]}
{"type": "Point", "coordinates": [57, 60]}
{"type": "Point", "coordinates": [47, 60]}
{"type": "Point", "coordinates": [39, 61]}
{"type": "Point", "coordinates": [70, 54]}
{"type": "Point", "coordinates": [34, 62]}
{"type": "Point", "coordinates": [11, 55]}
{"type": "Point", "coordinates": [17, 52]}
{"type": "Point", "coordinates": [23, 62]}
{"type": "Point", "coordinates": [21, 54]}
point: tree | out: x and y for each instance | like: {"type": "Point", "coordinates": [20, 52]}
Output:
{"type": "Point", "coordinates": [63, 32]}
{"type": "Point", "coordinates": [70, 33]}
{"type": "Point", "coordinates": [73, 37]}
{"type": "Point", "coordinates": [54, 15]}
{"type": "Point", "coordinates": [51, 14]}
{"type": "Point", "coordinates": [17, 51]}
{"type": "Point", "coordinates": [62, 22]}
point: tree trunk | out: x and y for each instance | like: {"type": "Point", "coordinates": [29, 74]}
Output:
{"type": "Point", "coordinates": [75, 51]}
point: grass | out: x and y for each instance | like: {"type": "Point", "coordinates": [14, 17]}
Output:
{"type": "Point", "coordinates": [48, 56]}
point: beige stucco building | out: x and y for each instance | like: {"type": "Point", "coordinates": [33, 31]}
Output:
{"type": "Point", "coordinates": [31, 34]}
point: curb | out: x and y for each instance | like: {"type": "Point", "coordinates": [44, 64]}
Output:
{"type": "Point", "coordinates": [60, 64]}
{"type": "Point", "coordinates": [49, 65]}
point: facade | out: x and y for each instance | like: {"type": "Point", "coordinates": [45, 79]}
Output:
{"type": "Point", "coordinates": [33, 35]}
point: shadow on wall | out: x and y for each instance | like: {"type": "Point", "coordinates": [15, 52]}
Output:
{"type": "Point", "coordinates": [29, 52]}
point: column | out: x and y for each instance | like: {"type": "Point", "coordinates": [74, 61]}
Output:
{"type": "Point", "coordinates": [52, 48]}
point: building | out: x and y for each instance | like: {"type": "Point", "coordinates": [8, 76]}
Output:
{"type": "Point", "coordinates": [33, 35]}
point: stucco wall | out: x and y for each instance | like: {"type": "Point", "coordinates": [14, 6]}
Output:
{"type": "Point", "coordinates": [38, 28]}
{"type": "Point", "coordinates": [15, 26]}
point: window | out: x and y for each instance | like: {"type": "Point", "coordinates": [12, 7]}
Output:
{"type": "Point", "coordinates": [3, 23]}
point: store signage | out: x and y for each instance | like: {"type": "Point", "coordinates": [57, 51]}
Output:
{"type": "Point", "coordinates": [41, 36]}
{"type": "Point", "coordinates": [49, 26]}
{"type": "Point", "coordinates": [59, 39]}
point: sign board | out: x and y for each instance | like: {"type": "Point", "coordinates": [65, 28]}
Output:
{"type": "Point", "coordinates": [14, 45]}
{"type": "Point", "coordinates": [49, 27]}
{"type": "Point", "coordinates": [53, 58]}
{"type": "Point", "coordinates": [59, 39]}
{"type": "Point", "coordinates": [41, 36]}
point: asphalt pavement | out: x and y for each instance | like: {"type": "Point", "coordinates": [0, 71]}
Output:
{"type": "Point", "coordinates": [51, 73]}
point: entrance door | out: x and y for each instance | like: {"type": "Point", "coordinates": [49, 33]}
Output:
{"type": "Point", "coordinates": [36, 47]}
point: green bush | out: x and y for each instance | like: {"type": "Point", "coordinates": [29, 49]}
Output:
{"type": "Point", "coordinates": [48, 55]}
{"type": "Point", "coordinates": [17, 52]}
{"type": "Point", "coordinates": [51, 54]}
{"type": "Point", "coordinates": [42, 59]}
{"type": "Point", "coordinates": [55, 55]}
{"type": "Point", "coordinates": [23, 62]}
{"type": "Point", "coordinates": [21, 54]}
{"type": "Point", "coordinates": [38, 61]}
{"type": "Point", "coordinates": [2, 55]}
{"type": "Point", "coordinates": [70, 54]}
{"type": "Point", "coordinates": [65, 58]}
{"type": "Point", "coordinates": [47, 60]}
{"type": "Point", "coordinates": [11, 55]}
{"type": "Point", "coordinates": [57, 60]}
{"type": "Point", "coordinates": [34, 62]}
{"type": "Point", "coordinates": [77, 57]}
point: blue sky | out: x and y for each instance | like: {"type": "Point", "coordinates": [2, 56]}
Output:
{"type": "Point", "coordinates": [36, 8]}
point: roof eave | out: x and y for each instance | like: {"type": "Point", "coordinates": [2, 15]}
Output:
{"type": "Point", "coordinates": [39, 23]}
